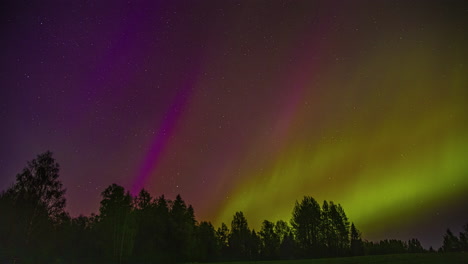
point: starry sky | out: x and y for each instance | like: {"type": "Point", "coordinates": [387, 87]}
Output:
{"type": "Point", "coordinates": [246, 105]}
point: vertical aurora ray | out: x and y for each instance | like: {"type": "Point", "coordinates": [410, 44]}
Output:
{"type": "Point", "coordinates": [246, 106]}
{"type": "Point", "coordinates": [398, 154]}
{"type": "Point", "coordinates": [163, 136]}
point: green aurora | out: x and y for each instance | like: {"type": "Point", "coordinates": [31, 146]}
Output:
{"type": "Point", "coordinates": [396, 145]}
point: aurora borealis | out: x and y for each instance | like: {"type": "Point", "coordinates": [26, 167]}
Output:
{"type": "Point", "coordinates": [246, 106]}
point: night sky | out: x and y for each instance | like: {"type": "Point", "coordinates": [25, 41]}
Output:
{"type": "Point", "coordinates": [246, 105]}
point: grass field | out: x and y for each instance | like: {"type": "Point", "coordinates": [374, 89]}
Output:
{"type": "Point", "coordinates": [451, 258]}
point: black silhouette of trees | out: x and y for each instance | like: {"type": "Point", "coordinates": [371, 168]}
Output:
{"type": "Point", "coordinates": [239, 237]}
{"type": "Point", "coordinates": [270, 240]}
{"type": "Point", "coordinates": [320, 231]}
{"type": "Point", "coordinates": [33, 207]}
{"type": "Point", "coordinates": [34, 228]}
{"type": "Point", "coordinates": [181, 228]}
{"type": "Point", "coordinates": [357, 247]}
{"type": "Point", "coordinates": [254, 244]}
{"type": "Point", "coordinates": [306, 222]}
{"type": "Point", "coordinates": [146, 232]}
{"type": "Point", "coordinates": [78, 239]}
{"type": "Point", "coordinates": [39, 184]}
{"type": "Point", "coordinates": [387, 246]}
{"type": "Point", "coordinates": [464, 238]}
{"type": "Point", "coordinates": [451, 242]}
{"type": "Point", "coordinates": [414, 246]}
{"type": "Point", "coordinates": [282, 229]}
{"type": "Point", "coordinates": [341, 224]}
{"type": "Point", "coordinates": [329, 237]}
{"type": "Point", "coordinates": [222, 236]}
{"type": "Point", "coordinates": [288, 247]}
{"type": "Point", "coordinates": [116, 223]}
{"type": "Point", "coordinates": [162, 231]}
{"type": "Point", "coordinates": [207, 246]}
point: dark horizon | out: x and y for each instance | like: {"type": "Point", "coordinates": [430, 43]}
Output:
{"type": "Point", "coordinates": [34, 227]}
{"type": "Point", "coordinates": [256, 226]}
{"type": "Point", "coordinates": [241, 105]}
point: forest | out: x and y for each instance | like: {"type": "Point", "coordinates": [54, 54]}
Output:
{"type": "Point", "coordinates": [35, 228]}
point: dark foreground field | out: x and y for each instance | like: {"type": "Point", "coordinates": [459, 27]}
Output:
{"type": "Point", "coordinates": [449, 258]}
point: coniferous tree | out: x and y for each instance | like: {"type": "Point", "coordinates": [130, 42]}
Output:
{"type": "Point", "coordinates": [414, 246]}
{"type": "Point", "coordinates": [182, 227]}
{"type": "Point", "coordinates": [253, 246]}
{"type": "Point", "coordinates": [116, 226]}
{"type": "Point", "coordinates": [288, 247]}
{"type": "Point", "coordinates": [222, 235]}
{"type": "Point", "coordinates": [451, 242]}
{"type": "Point", "coordinates": [329, 231]}
{"type": "Point", "coordinates": [464, 238]}
{"type": "Point", "coordinates": [270, 240]}
{"type": "Point", "coordinates": [282, 229]}
{"type": "Point", "coordinates": [239, 237]}
{"type": "Point", "coordinates": [357, 248]}
{"type": "Point", "coordinates": [344, 230]}
{"type": "Point", "coordinates": [207, 247]}
{"type": "Point", "coordinates": [162, 233]}
{"type": "Point", "coordinates": [306, 222]}
{"type": "Point", "coordinates": [146, 232]}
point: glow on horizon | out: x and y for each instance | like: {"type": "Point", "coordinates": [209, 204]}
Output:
{"type": "Point", "coordinates": [409, 158]}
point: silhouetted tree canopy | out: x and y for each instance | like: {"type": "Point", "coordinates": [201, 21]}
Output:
{"type": "Point", "coordinates": [38, 184]}
{"type": "Point", "coordinates": [239, 237]}
{"type": "Point", "coordinates": [34, 228]}
{"type": "Point", "coordinates": [451, 242]}
{"type": "Point", "coordinates": [357, 247]}
{"type": "Point", "coordinates": [270, 240]}
{"type": "Point", "coordinates": [32, 207]}
{"type": "Point", "coordinates": [306, 221]}
{"type": "Point", "coordinates": [207, 245]}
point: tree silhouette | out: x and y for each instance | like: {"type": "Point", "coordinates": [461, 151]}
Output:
{"type": "Point", "coordinates": [39, 183]}
{"type": "Point", "coordinates": [464, 238]}
{"type": "Point", "coordinates": [270, 240]}
{"type": "Point", "coordinates": [222, 235]}
{"type": "Point", "coordinates": [239, 237]}
{"type": "Point", "coordinates": [116, 224]}
{"type": "Point", "coordinates": [414, 246]}
{"type": "Point", "coordinates": [329, 238]}
{"type": "Point", "coordinates": [282, 229]}
{"type": "Point", "coordinates": [387, 246]}
{"type": "Point", "coordinates": [357, 247]}
{"type": "Point", "coordinates": [288, 247]}
{"type": "Point", "coordinates": [143, 201]}
{"type": "Point", "coordinates": [78, 239]}
{"type": "Point", "coordinates": [451, 242]}
{"type": "Point", "coordinates": [146, 231]}
{"type": "Point", "coordinates": [207, 246]}
{"type": "Point", "coordinates": [306, 222]}
{"type": "Point", "coordinates": [32, 208]}
{"type": "Point", "coordinates": [34, 228]}
{"type": "Point", "coordinates": [182, 228]}
{"type": "Point", "coordinates": [254, 244]}
{"type": "Point", "coordinates": [161, 229]}
{"type": "Point", "coordinates": [342, 223]}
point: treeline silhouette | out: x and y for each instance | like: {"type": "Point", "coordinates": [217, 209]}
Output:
{"type": "Point", "coordinates": [34, 228]}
